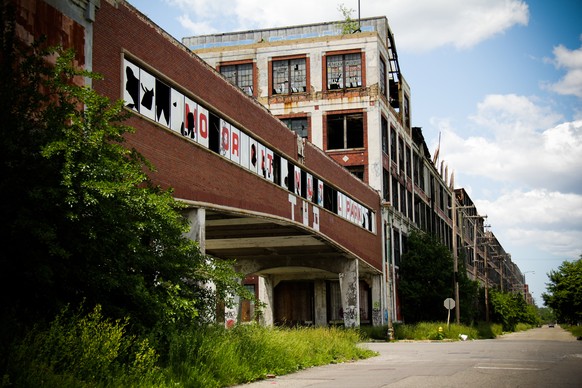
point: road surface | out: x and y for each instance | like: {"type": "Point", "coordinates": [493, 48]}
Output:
{"type": "Point", "coordinates": [542, 357]}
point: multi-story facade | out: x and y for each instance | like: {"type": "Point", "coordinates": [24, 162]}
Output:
{"type": "Point", "coordinates": [345, 93]}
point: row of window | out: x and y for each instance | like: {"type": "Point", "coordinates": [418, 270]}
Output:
{"type": "Point", "coordinates": [343, 71]}
{"type": "Point", "coordinates": [288, 76]}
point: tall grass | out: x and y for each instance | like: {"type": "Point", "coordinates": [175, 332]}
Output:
{"type": "Point", "coordinates": [430, 331]}
{"type": "Point", "coordinates": [90, 351]}
{"type": "Point", "coordinates": [215, 357]}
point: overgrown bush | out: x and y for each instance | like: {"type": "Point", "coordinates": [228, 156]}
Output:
{"type": "Point", "coordinates": [79, 350]}
{"type": "Point", "coordinates": [88, 350]}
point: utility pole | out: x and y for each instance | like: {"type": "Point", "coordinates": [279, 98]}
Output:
{"type": "Point", "coordinates": [486, 280]}
{"type": "Point", "coordinates": [456, 256]}
{"type": "Point", "coordinates": [456, 261]}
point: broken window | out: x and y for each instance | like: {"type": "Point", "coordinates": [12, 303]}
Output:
{"type": "Point", "coordinates": [393, 143]}
{"type": "Point", "coordinates": [357, 171]}
{"type": "Point", "coordinates": [384, 135]}
{"type": "Point", "coordinates": [382, 77]}
{"type": "Point", "coordinates": [344, 71]}
{"type": "Point", "coordinates": [297, 125]}
{"type": "Point", "coordinates": [406, 111]}
{"type": "Point", "coordinates": [345, 131]}
{"type": "Point", "coordinates": [385, 185]}
{"type": "Point", "coordinates": [240, 75]}
{"type": "Point", "coordinates": [401, 153]}
{"type": "Point", "coordinates": [408, 167]}
{"type": "Point", "coordinates": [289, 76]}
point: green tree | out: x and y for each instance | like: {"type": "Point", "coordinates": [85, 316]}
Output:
{"type": "Point", "coordinates": [426, 278]}
{"type": "Point", "coordinates": [564, 294]}
{"type": "Point", "coordinates": [81, 221]}
{"type": "Point", "coordinates": [348, 25]}
{"type": "Point", "coordinates": [509, 309]}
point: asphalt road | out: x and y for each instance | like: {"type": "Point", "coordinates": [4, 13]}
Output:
{"type": "Point", "coordinates": [543, 357]}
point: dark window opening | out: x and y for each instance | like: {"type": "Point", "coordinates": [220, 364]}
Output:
{"type": "Point", "coordinates": [385, 185]}
{"type": "Point", "coordinates": [408, 167]}
{"type": "Point", "coordinates": [394, 188]}
{"type": "Point", "coordinates": [393, 144]}
{"type": "Point", "coordinates": [276, 169]}
{"type": "Point", "coordinates": [357, 171]}
{"type": "Point", "coordinates": [291, 177]}
{"type": "Point", "coordinates": [329, 198]}
{"type": "Point", "coordinates": [345, 131]}
{"type": "Point", "coordinates": [400, 153]}
{"type": "Point", "coordinates": [384, 135]}
{"type": "Point", "coordinates": [214, 133]}
{"type": "Point", "coordinates": [406, 112]}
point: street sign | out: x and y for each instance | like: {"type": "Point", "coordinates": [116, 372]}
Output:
{"type": "Point", "coordinates": [449, 305]}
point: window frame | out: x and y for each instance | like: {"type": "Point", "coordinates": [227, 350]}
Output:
{"type": "Point", "coordinates": [289, 60]}
{"type": "Point", "coordinates": [345, 134]}
{"type": "Point", "coordinates": [298, 116]}
{"type": "Point", "coordinates": [383, 75]}
{"type": "Point", "coordinates": [326, 70]}
{"type": "Point", "coordinates": [236, 65]}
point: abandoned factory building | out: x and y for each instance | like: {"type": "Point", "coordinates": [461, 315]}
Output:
{"type": "Point", "coordinates": [294, 150]}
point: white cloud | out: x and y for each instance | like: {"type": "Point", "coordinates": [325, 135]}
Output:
{"type": "Point", "coordinates": [194, 27]}
{"type": "Point", "coordinates": [548, 220]}
{"type": "Point", "coordinates": [522, 145]}
{"type": "Point", "coordinates": [571, 61]}
{"type": "Point", "coordinates": [425, 25]}
{"type": "Point", "coordinates": [418, 25]}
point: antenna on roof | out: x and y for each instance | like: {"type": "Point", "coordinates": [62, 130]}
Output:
{"type": "Point", "coordinates": [359, 19]}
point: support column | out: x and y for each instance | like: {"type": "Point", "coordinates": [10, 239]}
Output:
{"type": "Point", "coordinates": [320, 303]}
{"type": "Point", "coordinates": [350, 293]}
{"type": "Point", "coordinates": [266, 297]}
{"type": "Point", "coordinates": [377, 300]}
{"type": "Point", "coordinates": [197, 232]}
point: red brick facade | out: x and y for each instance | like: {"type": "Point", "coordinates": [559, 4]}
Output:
{"type": "Point", "coordinates": [199, 174]}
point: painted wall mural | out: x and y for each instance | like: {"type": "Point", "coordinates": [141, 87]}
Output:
{"type": "Point", "coordinates": [155, 99]}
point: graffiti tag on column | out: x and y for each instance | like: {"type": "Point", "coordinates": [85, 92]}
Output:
{"type": "Point", "coordinates": [229, 318]}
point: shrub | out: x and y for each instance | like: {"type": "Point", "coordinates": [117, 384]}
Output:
{"type": "Point", "coordinates": [82, 350]}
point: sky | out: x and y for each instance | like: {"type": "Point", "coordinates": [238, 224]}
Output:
{"type": "Point", "coordinates": [498, 81]}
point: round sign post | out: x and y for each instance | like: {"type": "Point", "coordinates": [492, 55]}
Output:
{"type": "Point", "coordinates": [449, 305]}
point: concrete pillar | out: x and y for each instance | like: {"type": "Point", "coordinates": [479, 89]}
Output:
{"type": "Point", "coordinates": [350, 292]}
{"type": "Point", "coordinates": [320, 303]}
{"type": "Point", "coordinates": [376, 300]}
{"type": "Point", "coordinates": [197, 232]}
{"type": "Point", "coordinates": [267, 300]}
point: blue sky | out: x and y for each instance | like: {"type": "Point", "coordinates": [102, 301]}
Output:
{"type": "Point", "coordinates": [500, 80]}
